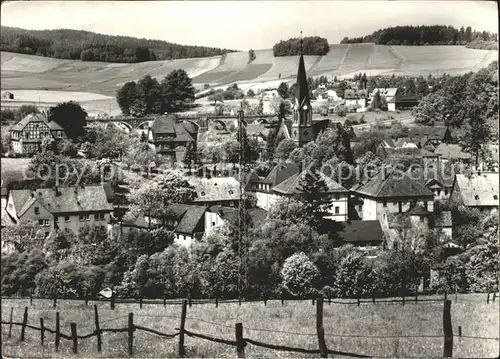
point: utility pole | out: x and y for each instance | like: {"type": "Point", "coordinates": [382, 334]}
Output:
{"type": "Point", "coordinates": [241, 210]}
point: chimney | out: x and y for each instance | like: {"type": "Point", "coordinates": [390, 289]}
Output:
{"type": "Point", "coordinates": [385, 172]}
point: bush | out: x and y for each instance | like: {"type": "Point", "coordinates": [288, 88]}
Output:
{"type": "Point", "coordinates": [299, 275]}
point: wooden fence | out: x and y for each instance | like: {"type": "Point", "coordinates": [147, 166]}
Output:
{"type": "Point", "coordinates": [239, 343]}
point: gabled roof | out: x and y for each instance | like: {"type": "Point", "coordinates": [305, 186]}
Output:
{"type": "Point", "coordinates": [188, 215]}
{"type": "Point", "coordinates": [355, 94]}
{"type": "Point", "coordinates": [294, 184]}
{"type": "Point", "coordinates": [171, 126]}
{"type": "Point", "coordinates": [428, 132]}
{"type": "Point", "coordinates": [478, 190]}
{"type": "Point", "coordinates": [216, 189]}
{"type": "Point", "coordinates": [408, 152]}
{"type": "Point", "coordinates": [419, 210]}
{"type": "Point", "coordinates": [451, 152]}
{"type": "Point", "coordinates": [359, 231]}
{"type": "Point", "coordinates": [394, 184]}
{"type": "Point", "coordinates": [38, 118]}
{"type": "Point", "coordinates": [67, 199]}
{"type": "Point", "coordinates": [257, 215]}
{"type": "Point", "coordinates": [281, 172]}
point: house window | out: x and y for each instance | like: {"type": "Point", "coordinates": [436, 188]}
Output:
{"type": "Point", "coordinates": [231, 204]}
{"type": "Point", "coordinates": [495, 197]}
{"type": "Point", "coordinates": [40, 222]}
{"type": "Point", "coordinates": [213, 223]}
{"type": "Point", "coordinates": [337, 197]}
{"type": "Point", "coordinates": [421, 219]}
{"type": "Point", "coordinates": [37, 210]}
{"type": "Point", "coordinates": [384, 203]}
{"type": "Point", "coordinates": [337, 210]}
{"type": "Point", "coordinates": [445, 192]}
{"type": "Point", "coordinates": [66, 219]}
{"type": "Point", "coordinates": [46, 223]}
{"type": "Point", "coordinates": [56, 218]}
{"type": "Point", "coordinates": [476, 197]}
{"type": "Point", "coordinates": [84, 217]}
{"type": "Point", "coordinates": [99, 216]}
{"type": "Point", "coordinates": [400, 207]}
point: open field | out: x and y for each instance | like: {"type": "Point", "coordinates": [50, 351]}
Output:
{"type": "Point", "coordinates": [380, 330]}
{"type": "Point", "coordinates": [28, 72]}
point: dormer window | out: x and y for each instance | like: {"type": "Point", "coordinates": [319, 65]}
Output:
{"type": "Point", "coordinates": [495, 197]}
{"type": "Point", "coordinates": [476, 197]}
{"type": "Point", "coordinates": [231, 191]}
{"type": "Point", "coordinates": [202, 193]}
{"type": "Point", "coordinates": [37, 210]}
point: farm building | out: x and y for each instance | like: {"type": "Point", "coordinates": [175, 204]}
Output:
{"type": "Point", "coordinates": [221, 191]}
{"type": "Point", "coordinates": [355, 98]}
{"type": "Point", "coordinates": [27, 135]}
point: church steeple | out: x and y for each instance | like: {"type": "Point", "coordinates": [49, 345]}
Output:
{"type": "Point", "coordinates": [302, 124]}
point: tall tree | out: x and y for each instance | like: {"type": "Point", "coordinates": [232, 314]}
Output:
{"type": "Point", "coordinates": [283, 90]}
{"type": "Point", "coordinates": [71, 117]}
{"type": "Point", "coordinates": [314, 196]}
{"type": "Point", "coordinates": [176, 91]}
{"type": "Point", "coordinates": [125, 96]}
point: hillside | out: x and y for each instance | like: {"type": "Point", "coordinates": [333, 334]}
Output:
{"type": "Point", "coordinates": [90, 46]}
{"type": "Point", "coordinates": [29, 72]}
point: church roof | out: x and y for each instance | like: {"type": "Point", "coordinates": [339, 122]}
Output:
{"type": "Point", "coordinates": [302, 88]}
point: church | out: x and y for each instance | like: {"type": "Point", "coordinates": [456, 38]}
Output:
{"type": "Point", "coordinates": [303, 128]}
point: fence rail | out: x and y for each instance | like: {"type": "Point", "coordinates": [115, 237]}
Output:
{"type": "Point", "coordinates": [241, 341]}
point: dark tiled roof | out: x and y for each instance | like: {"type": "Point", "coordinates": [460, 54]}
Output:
{"type": "Point", "coordinates": [419, 210]}
{"type": "Point", "coordinates": [428, 132]}
{"type": "Point", "coordinates": [431, 172]}
{"type": "Point", "coordinates": [359, 231]}
{"type": "Point", "coordinates": [281, 172]}
{"type": "Point", "coordinates": [293, 185]}
{"type": "Point", "coordinates": [395, 184]}
{"type": "Point", "coordinates": [69, 200]}
{"type": "Point", "coordinates": [257, 215]}
{"type": "Point", "coordinates": [190, 216]}
{"type": "Point", "coordinates": [171, 126]}
{"type": "Point", "coordinates": [108, 189]}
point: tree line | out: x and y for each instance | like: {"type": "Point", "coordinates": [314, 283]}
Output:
{"type": "Point", "coordinates": [148, 96]}
{"type": "Point", "coordinates": [425, 35]}
{"type": "Point", "coordinates": [89, 46]}
{"type": "Point", "coordinates": [313, 45]}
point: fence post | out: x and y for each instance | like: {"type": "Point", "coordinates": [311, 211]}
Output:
{"type": "Point", "coordinates": [112, 302]}
{"type": "Point", "coordinates": [182, 351]}
{"type": "Point", "coordinates": [494, 296]}
{"type": "Point", "coordinates": [190, 299]}
{"type": "Point", "coordinates": [403, 300]}
{"type": "Point", "coordinates": [25, 321]}
{"type": "Point", "coordinates": [86, 299]}
{"type": "Point", "coordinates": [313, 301]}
{"type": "Point", "coordinates": [97, 329]}
{"type": "Point", "coordinates": [164, 300]}
{"type": "Point", "coordinates": [58, 332]}
{"type": "Point", "coordinates": [319, 328]}
{"type": "Point", "coordinates": [74, 338]}
{"type": "Point", "coordinates": [10, 322]}
{"type": "Point", "coordinates": [216, 302]}
{"type": "Point", "coordinates": [329, 300]}
{"type": "Point", "coordinates": [416, 296]}
{"type": "Point", "coordinates": [140, 302]}
{"type": "Point", "coordinates": [42, 331]}
{"type": "Point", "coordinates": [31, 297]}
{"type": "Point", "coordinates": [282, 300]}
{"type": "Point", "coordinates": [488, 298]}
{"type": "Point", "coordinates": [359, 301]}
{"type": "Point", "coordinates": [459, 332]}
{"type": "Point", "coordinates": [240, 346]}
{"type": "Point", "coordinates": [239, 301]}
{"type": "Point", "coordinates": [130, 332]}
{"type": "Point", "coordinates": [448, 330]}
{"type": "Point", "coordinates": [55, 301]}
{"type": "Point", "coordinates": [445, 295]}
{"type": "Point", "coordinates": [265, 301]}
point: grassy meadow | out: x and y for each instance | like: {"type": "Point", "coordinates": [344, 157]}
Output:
{"type": "Point", "coordinates": [348, 328]}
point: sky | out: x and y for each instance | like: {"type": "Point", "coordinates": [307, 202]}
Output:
{"type": "Point", "coordinates": [244, 25]}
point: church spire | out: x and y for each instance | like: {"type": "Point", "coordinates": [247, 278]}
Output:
{"type": "Point", "coordinates": [302, 87]}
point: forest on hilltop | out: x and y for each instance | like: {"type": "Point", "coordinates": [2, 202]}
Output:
{"type": "Point", "coordinates": [430, 35]}
{"type": "Point", "coordinates": [313, 45]}
{"type": "Point", "coordinates": [89, 46]}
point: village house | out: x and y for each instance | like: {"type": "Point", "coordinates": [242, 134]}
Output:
{"type": "Point", "coordinates": [221, 191]}
{"type": "Point", "coordinates": [61, 207]}
{"type": "Point", "coordinates": [170, 136]}
{"type": "Point", "coordinates": [436, 177]}
{"type": "Point", "coordinates": [364, 235]}
{"type": "Point", "coordinates": [355, 98]}
{"type": "Point", "coordinates": [339, 196]}
{"type": "Point", "coordinates": [262, 187]}
{"type": "Point", "coordinates": [390, 192]}
{"type": "Point", "coordinates": [476, 190]}
{"type": "Point", "coordinates": [452, 152]}
{"type": "Point", "coordinates": [261, 131]}
{"type": "Point", "coordinates": [388, 93]}
{"type": "Point", "coordinates": [429, 137]}
{"type": "Point", "coordinates": [27, 135]}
